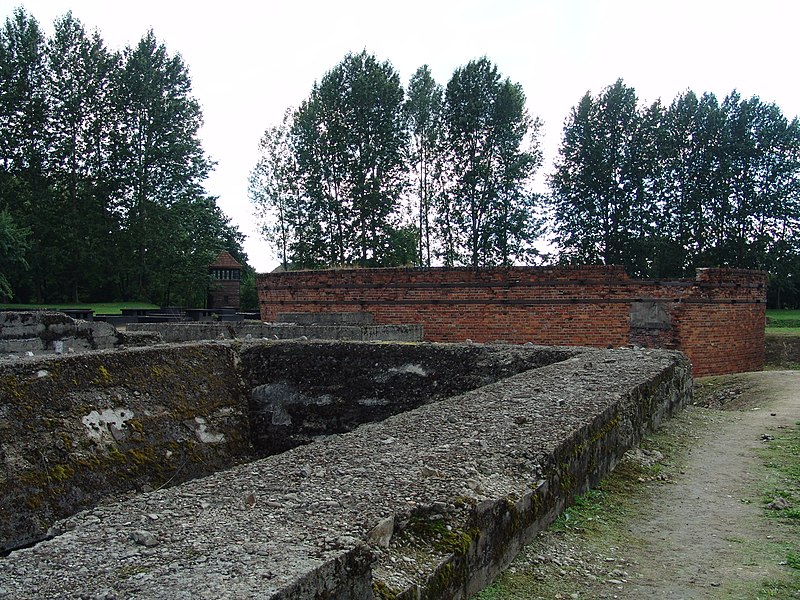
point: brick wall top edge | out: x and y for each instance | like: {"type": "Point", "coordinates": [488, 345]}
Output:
{"type": "Point", "coordinates": [744, 276]}
{"type": "Point", "coordinates": [615, 270]}
{"type": "Point", "coordinates": [588, 272]}
{"type": "Point", "coordinates": [703, 274]}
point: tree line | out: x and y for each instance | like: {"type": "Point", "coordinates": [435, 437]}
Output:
{"type": "Point", "coordinates": [101, 171]}
{"type": "Point", "coordinates": [364, 172]}
{"type": "Point", "coordinates": [334, 179]}
{"type": "Point", "coordinates": [665, 189]}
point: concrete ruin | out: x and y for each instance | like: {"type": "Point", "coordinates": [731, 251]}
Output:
{"type": "Point", "coordinates": [254, 330]}
{"type": "Point", "coordinates": [409, 471]}
{"type": "Point", "coordinates": [42, 332]}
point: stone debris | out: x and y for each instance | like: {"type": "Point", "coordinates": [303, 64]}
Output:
{"type": "Point", "coordinates": [144, 538]}
{"type": "Point", "coordinates": [381, 534]}
{"type": "Point", "coordinates": [779, 503]}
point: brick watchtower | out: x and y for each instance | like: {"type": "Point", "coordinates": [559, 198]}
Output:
{"type": "Point", "coordinates": [226, 274]}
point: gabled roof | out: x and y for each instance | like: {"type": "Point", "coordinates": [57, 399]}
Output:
{"type": "Point", "coordinates": [224, 260]}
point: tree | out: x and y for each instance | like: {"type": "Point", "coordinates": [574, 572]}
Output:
{"type": "Point", "coordinates": [158, 161]}
{"type": "Point", "coordinates": [663, 191]}
{"type": "Point", "coordinates": [23, 103]}
{"type": "Point", "coordinates": [348, 139]}
{"type": "Point", "coordinates": [762, 169]}
{"type": "Point", "coordinates": [198, 232]}
{"type": "Point", "coordinates": [281, 210]}
{"type": "Point", "coordinates": [487, 214]}
{"type": "Point", "coordinates": [599, 205]}
{"type": "Point", "coordinates": [692, 181]}
{"type": "Point", "coordinates": [13, 245]}
{"type": "Point", "coordinates": [79, 79]}
{"type": "Point", "coordinates": [102, 169]}
{"type": "Point", "coordinates": [423, 108]}
{"type": "Point", "coordinates": [24, 190]}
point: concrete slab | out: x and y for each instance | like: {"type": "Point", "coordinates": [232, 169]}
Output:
{"type": "Point", "coordinates": [427, 504]}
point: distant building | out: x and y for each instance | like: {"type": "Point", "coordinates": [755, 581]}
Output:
{"type": "Point", "coordinates": [226, 275]}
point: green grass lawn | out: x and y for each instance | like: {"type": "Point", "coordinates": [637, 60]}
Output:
{"type": "Point", "coordinates": [783, 322]}
{"type": "Point", "coordinates": [99, 308]}
{"type": "Point", "coordinates": [779, 317]}
{"type": "Point", "coordinates": [783, 330]}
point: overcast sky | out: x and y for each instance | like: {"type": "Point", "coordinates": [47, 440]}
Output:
{"type": "Point", "coordinates": [250, 60]}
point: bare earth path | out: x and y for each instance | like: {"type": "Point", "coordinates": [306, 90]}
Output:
{"type": "Point", "coordinates": [696, 531]}
{"type": "Point", "coordinates": [705, 534]}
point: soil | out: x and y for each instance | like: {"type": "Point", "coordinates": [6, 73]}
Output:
{"type": "Point", "coordinates": [697, 529]}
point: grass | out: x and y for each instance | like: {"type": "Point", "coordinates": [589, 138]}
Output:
{"type": "Point", "coordinates": [594, 528]}
{"type": "Point", "coordinates": [782, 457]}
{"type": "Point", "coordinates": [100, 308]}
{"type": "Point", "coordinates": [783, 321]}
{"type": "Point", "coordinates": [795, 331]}
{"type": "Point", "coordinates": [781, 314]}
{"type": "Point", "coordinates": [787, 331]}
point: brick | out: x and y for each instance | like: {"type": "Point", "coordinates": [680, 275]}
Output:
{"type": "Point", "coordinates": [717, 318]}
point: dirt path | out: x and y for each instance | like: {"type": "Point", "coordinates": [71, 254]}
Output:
{"type": "Point", "coordinates": [706, 534]}
{"type": "Point", "coordinates": [696, 530]}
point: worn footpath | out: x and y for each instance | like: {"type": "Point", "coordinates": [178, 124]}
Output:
{"type": "Point", "coordinates": [697, 530]}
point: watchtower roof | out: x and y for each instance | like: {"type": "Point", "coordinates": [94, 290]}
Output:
{"type": "Point", "coordinates": [224, 260]}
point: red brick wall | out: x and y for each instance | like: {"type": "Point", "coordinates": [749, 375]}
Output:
{"type": "Point", "coordinates": [224, 293]}
{"type": "Point", "coordinates": [716, 318]}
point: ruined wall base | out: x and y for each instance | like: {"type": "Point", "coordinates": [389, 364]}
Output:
{"type": "Point", "coordinates": [192, 332]}
{"type": "Point", "coordinates": [77, 429]}
{"type": "Point", "coordinates": [457, 487]}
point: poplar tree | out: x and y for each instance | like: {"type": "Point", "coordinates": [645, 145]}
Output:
{"type": "Point", "coordinates": [487, 215]}
{"type": "Point", "coordinates": [159, 163]}
{"type": "Point", "coordinates": [598, 202]}
{"type": "Point", "coordinates": [24, 190]}
{"type": "Point", "coordinates": [348, 139]}
{"type": "Point", "coordinates": [423, 108]}
{"type": "Point", "coordinates": [285, 215]}
{"type": "Point", "coordinates": [663, 191]}
{"type": "Point", "coordinates": [79, 78]}
{"type": "Point", "coordinates": [13, 246]}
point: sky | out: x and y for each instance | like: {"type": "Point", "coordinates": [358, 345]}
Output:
{"type": "Point", "coordinates": [251, 60]}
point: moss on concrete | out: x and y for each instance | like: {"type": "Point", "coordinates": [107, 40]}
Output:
{"type": "Point", "coordinates": [57, 462]}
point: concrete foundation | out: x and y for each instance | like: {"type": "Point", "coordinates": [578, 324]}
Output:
{"type": "Point", "coordinates": [248, 330]}
{"type": "Point", "coordinates": [429, 503]}
{"type": "Point", "coordinates": [41, 331]}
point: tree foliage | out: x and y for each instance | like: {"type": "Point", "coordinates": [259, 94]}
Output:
{"type": "Point", "coordinates": [337, 178]}
{"type": "Point", "coordinates": [274, 191]}
{"type": "Point", "coordinates": [348, 139]}
{"type": "Point", "coordinates": [664, 190]}
{"type": "Point", "coordinates": [424, 111]}
{"type": "Point", "coordinates": [101, 162]}
{"type": "Point", "coordinates": [488, 201]}
{"type": "Point", "coordinates": [600, 179]}
{"type": "Point", "coordinates": [13, 245]}
{"type": "Point", "coordinates": [160, 166]}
